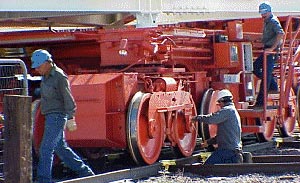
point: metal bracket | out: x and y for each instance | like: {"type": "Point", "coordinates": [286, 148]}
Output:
{"type": "Point", "coordinates": [146, 20]}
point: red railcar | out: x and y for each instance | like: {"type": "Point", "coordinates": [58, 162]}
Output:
{"type": "Point", "coordinates": [136, 89]}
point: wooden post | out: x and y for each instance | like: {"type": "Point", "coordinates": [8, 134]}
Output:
{"type": "Point", "coordinates": [17, 139]}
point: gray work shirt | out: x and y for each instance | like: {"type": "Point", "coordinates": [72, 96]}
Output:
{"type": "Point", "coordinates": [55, 93]}
{"type": "Point", "coordinates": [272, 28]}
{"type": "Point", "coordinates": [228, 124]}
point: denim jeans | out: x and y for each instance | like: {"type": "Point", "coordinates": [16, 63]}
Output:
{"type": "Point", "coordinates": [258, 71]}
{"type": "Point", "coordinates": [221, 156]}
{"type": "Point", "coordinates": [54, 141]}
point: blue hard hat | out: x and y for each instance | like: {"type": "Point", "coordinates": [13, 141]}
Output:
{"type": "Point", "coordinates": [264, 8]}
{"type": "Point", "coordinates": [39, 57]}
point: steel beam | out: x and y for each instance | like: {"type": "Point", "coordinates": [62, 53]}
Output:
{"type": "Point", "coordinates": [150, 6]}
{"type": "Point", "coordinates": [147, 12]}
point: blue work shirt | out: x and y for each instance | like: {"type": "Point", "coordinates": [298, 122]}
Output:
{"type": "Point", "coordinates": [228, 123]}
{"type": "Point", "coordinates": [56, 94]}
{"type": "Point", "coordinates": [272, 28]}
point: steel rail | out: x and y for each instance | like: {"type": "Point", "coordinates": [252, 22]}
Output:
{"type": "Point", "coordinates": [138, 172]}
{"type": "Point", "coordinates": [135, 173]}
{"type": "Point", "coordinates": [195, 162]}
{"type": "Point", "coordinates": [238, 169]}
{"type": "Point", "coordinates": [276, 159]}
{"type": "Point", "coordinates": [259, 146]}
{"type": "Point", "coordinates": [293, 144]}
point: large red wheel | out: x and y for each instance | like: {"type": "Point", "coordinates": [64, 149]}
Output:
{"type": "Point", "coordinates": [287, 122]}
{"type": "Point", "coordinates": [145, 138]}
{"type": "Point", "coordinates": [289, 116]}
{"type": "Point", "coordinates": [269, 127]}
{"type": "Point", "coordinates": [209, 105]}
{"type": "Point", "coordinates": [297, 106]}
{"type": "Point", "coordinates": [185, 131]}
{"type": "Point", "coordinates": [38, 121]}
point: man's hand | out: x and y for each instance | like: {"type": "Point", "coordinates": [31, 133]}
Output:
{"type": "Point", "coordinates": [204, 144]}
{"type": "Point", "coordinates": [269, 49]}
{"type": "Point", "coordinates": [71, 124]}
{"type": "Point", "coordinates": [1, 119]}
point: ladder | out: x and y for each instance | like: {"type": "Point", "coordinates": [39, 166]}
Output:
{"type": "Point", "coordinates": [286, 72]}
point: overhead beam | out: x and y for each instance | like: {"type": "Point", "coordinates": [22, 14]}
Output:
{"type": "Point", "coordinates": [147, 12]}
{"type": "Point", "coordinates": [141, 6]}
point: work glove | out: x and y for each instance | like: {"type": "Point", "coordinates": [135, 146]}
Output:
{"type": "Point", "coordinates": [71, 125]}
{"type": "Point", "coordinates": [1, 119]}
{"type": "Point", "coordinates": [204, 144]}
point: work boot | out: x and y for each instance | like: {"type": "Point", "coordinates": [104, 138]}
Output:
{"type": "Point", "coordinates": [86, 172]}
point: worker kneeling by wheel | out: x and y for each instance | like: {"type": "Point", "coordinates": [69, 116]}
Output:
{"type": "Point", "coordinates": [228, 136]}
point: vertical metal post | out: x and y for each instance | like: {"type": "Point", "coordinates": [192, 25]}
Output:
{"type": "Point", "coordinates": [265, 83]}
{"type": "Point", "coordinates": [18, 139]}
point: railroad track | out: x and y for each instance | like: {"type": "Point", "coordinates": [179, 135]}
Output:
{"type": "Point", "coordinates": [138, 172]}
{"type": "Point", "coordinates": [262, 164]}
{"type": "Point", "coordinates": [246, 168]}
{"type": "Point", "coordinates": [135, 173]}
{"type": "Point", "coordinates": [154, 170]}
{"type": "Point", "coordinates": [266, 164]}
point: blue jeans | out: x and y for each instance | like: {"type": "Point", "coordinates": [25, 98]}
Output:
{"type": "Point", "coordinates": [258, 71]}
{"type": "Point", "coordinates": [54, 141]}
{"type": "Point", "coordinates": [221, 156]}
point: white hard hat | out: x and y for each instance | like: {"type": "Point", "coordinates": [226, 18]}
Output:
{"type": "Point", "coordinates": [224, 93]}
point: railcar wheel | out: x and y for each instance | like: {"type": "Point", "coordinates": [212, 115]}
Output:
{"type": "Point", "coordinates": [185, 131]}
{"type": "Point", "coordinates": [145, 139]}
{"type": "Point", "coordinates": [269, 127]}
{"type": "Point", "coordinates": [297, 106]}
{"type": "Point", "coordinates": [290, 116]}
{"type": "Point", "coordinates": [208, 105]}
{"type": "Point", "coordinates": [38, 121]}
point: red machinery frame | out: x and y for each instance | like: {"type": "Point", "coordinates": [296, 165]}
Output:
{"type": "Point", "coordinates": [137, 89]}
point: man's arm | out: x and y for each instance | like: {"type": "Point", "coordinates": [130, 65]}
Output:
{"type": "Point", "coordinates": [279, 37]}
{"type": "Point", "coordinates": [69, 103]}
{"type": "Point", "coordinates": [213, 118]}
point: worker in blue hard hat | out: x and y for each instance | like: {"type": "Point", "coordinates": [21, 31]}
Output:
{"type": "Point", "coordinates": [39, 57]}
{"type": "Point", "coordinates": [228, 136]}
{"type": "Point", "coordinates": [58, 107]}
{"type": "Point", "coordinates": [264, 8]}
{"type": "Point", "coordinates": [272, 39]}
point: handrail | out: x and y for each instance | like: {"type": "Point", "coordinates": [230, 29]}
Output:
{"type": "Point", "coordinates": [287, 63]}
{"type": "Point", "coordinates": [265, 92]}
{"type": "Point", "coordinates": [285, 87]}
{"type": "Point", "coordinates": [286, 66]}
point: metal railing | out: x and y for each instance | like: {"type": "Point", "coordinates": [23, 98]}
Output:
{"type": "Point", "coordinates": [13, 78]}
{"type": "Point", "coordinates": [13, 81]}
